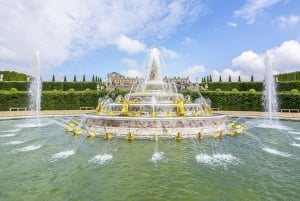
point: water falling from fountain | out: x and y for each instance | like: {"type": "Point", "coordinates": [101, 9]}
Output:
{"type": "Point", "coordinates": [270, 95]}
{"type": "Point", "coordinates": [35, 90]}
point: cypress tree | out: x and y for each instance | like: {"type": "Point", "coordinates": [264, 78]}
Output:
{"type": "Point", "coordinates": [210, 79]}
{"type": "Point", "coordinates": [74, 80]}
{"type": "Point", "coordinates": [53, 78]}
{"type": "Point", "coordinates": [100, 80]}
{"type": "Point", "coordinates": [93, 78]}
{"type": "Point", "coordinates": [252, 78]}
{"type": "Point", "coordinates": [65, 78]}
{"type": "Point", "coordinates": [220, 79]}
{"type": "Point", "coordinates": [239, 78]}
{"type": "Point", "coordinates": [83, 79]}
{"type": "Point", "coordinates": [229, 79]}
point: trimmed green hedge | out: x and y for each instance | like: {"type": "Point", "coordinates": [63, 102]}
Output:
{"type": "Point", "coordinates": [49, 86]}
{"type": "Point", "coordinates": [289, 76]}
{"type": "Point", "coordinates": [246, 86]}
{"type": "Point", "coordinates": [64, 86]}
{"type": "Point", "coordinates": [288, 86]}
{"type": "Point", "coordinates": [66, 100]}
{"type": "Point", "coordinates": [20, 86]}
{"type": "Point", "coordinates": [13, 99]}
{"type": "Point", "coordinates": [228, 86]}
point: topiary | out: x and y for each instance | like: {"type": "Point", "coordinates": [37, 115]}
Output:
{"type": "Point", "coordinates": [294, 91]}
{"type": "Point", "coordinates": [252, 91]}
{"type": "Point", "coordinates": [218, 90]}
{"type": "Point", "coordinates": [71, 90]}
{"type": "Point", "coordinates": [235, 90]}
{"type": "Point", "coordinates": [13, 90]}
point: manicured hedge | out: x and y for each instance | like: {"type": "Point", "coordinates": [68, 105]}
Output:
{"type": "Point", "coordinates": [49, 86]}
{"type": "Point", "coordinates": [228, 86]}
{"type": "Point", "coordinates": [13, 99]}
{"type": "Point", "coordinates": [246, 86]}
{"type": "Point", "coordinates": [289, 76]}
{"type": "Point", "coordinates": [68, 100]}
{"type": "Point", "coordinates": [288, 86]}
{"type": "Point", "coordinates": [64, 86]}
{"type": "Point", "coordinates": [20, 86]}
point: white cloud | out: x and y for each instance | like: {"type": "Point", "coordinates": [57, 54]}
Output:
{"type": "Point", "coordinates": [62, 30]}
{"type": "Point", "coordinates": [129, 62]}
{"type": "Point", "coordinates": [132, 73]}
{"type": "Point", "coordinates": [167, 53]}
{"type": "Point", "coordinates": [287, 21]}
{"type": "Point", "coordinates": [129, 45]}
{"type": "Point", "coordinates": [187, 40]}
{"type": "Point", "coordinates": [253, 8]}
{"type": "Point", "coordinates": [285, 58]}
{"type": "Point", "coordinates": [194, 72]}
{"type": "Point", "coordinates": [249, 61]}
{"type": "Point", "coordinates": [215, 74]}
{"type": "Point", "coordinates": [232, 24]}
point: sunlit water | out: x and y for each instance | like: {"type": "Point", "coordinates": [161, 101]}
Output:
{"type": "Point", "coordinates": [47, 163]}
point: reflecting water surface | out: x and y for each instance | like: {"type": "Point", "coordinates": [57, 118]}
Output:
{"type": "Point", "coordinates": [47, 163]}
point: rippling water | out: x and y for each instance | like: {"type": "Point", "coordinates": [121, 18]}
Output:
{"type": "Point", "coordinates": [46, 163]}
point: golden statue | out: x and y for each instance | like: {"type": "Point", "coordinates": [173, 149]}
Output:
{"type": "Point", "coordinates": [124, 111]}
{"type": "Point", "coordinates": [180, 108]}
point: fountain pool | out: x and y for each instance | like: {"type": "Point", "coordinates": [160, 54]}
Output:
{"type": "Point", "coordinates": [48, 163]}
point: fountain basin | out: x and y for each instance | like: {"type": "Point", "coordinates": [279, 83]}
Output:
{"type": "Point", "coordinates": [147, 127]}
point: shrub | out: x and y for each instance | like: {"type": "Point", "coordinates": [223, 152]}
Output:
{"type": "Point", "coordinates": [13, 90]}
{"type": "Point", "coordinates": [294, 91]}
{"type": "Point", "coordinates": [218, 90]}
{"type": "Point", "coordinates": [252, 91]}
{"type": "Point", "coordinates": [71, 90]}
{"type": "Point", "coordinates": [235, 90]}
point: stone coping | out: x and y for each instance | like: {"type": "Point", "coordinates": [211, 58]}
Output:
{"type": "Point", "coordinates": [24, 114]}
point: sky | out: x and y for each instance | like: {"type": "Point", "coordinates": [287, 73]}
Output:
{"type": "Point", "coordinates": [196, 38]}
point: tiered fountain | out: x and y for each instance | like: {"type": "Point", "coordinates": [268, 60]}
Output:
{"type": "Point", "coordinates": [154, 109]}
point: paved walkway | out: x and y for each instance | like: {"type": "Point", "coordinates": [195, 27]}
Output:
{"type": "Point", "coordinates": [24, 114]}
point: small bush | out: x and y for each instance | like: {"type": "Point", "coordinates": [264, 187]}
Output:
{"type": "Point", "coordinates": [294, 91]}
{"type": "Point", "coordinates": [71, 90]}
{"type": "Point", "coordinates": [252, 91]}
{"type": "Point", "coordinates": [235, 90]}
{"type": "Point", "coordinates": [87, 89]}
{"type": "Point", "coordinates": [13, 90]}
{"type": "Point", "coordinates": [218, 90]}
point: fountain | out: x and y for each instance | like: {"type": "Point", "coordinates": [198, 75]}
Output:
{"type": "Point", "coordinates": [269, 95]}
{"type": "Point", "coordinates": [35, 90]}
{"type": "Point", "coordinates": [154, 109]}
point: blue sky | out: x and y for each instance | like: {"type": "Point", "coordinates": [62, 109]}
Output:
{"type": "Point", "coordinates": [195, 37]}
